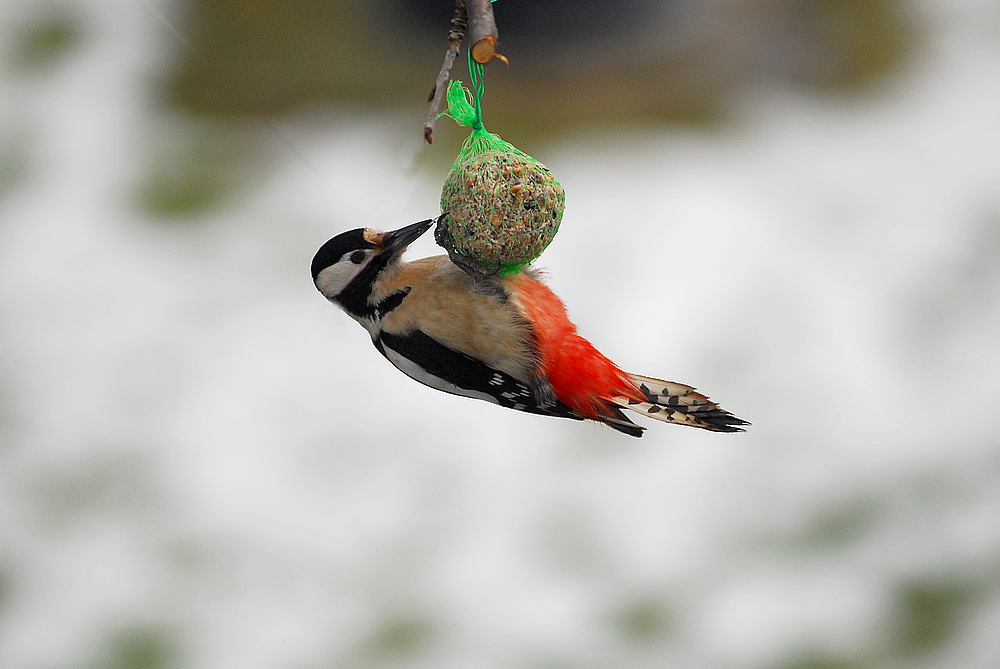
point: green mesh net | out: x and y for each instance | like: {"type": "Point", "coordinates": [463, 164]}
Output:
{"type": "Point", "coordinates": [501, 206]}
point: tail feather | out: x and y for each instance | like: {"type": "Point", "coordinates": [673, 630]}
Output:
{"type": "Point", "coordinates": [582, 379]}
{"type": "Point", "coordinates": [677, 403]}
{"type": "Point", "coordinates": [615, 418]}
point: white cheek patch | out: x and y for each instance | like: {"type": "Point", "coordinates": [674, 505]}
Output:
{"type": "Point", "coordinates": [335, 278]}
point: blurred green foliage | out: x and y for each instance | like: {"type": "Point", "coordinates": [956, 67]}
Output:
{"type": "Point", "coordinates": [266, 57]}
{"type": "Point", "coordinates": [572, 65]}
{"type": "Point", "coordinates": [643, 621]}
{"type": "Point", "coordinates": [183, 187]}
{"type": "Point", "coordinates": [120, 482]}
{"type": "Point", "coordinates": [842, 524]}
{"type": "Point", "coordinates": [824, 661]}
{"type": "Point", "coordinates": [927, 614]}
{"type": "Point", "coordinates": [197, 169]}
{"type": "Point", "coordinates": [142, 647]}
{"type": "Point", "coordinates": [930, 612]}
{"type": "Point", "coordinates": [396, 637]}
{"type": "Point", "coordinates": [858, 40]}
{"type": "Point", "coordinates": [5, 588]}
{"type": "Point", "coordinates": [13, 167]}
{"type": "Point", "coordinates": [44, 42]}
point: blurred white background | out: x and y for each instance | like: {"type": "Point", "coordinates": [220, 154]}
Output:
{"type": "Point", "coordinates": [205, 465]}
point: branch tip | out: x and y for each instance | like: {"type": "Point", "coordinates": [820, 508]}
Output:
{"type": "Point", "coordinates": [455, 34]}
{"type": "Point", "coordinates": [484, 50]}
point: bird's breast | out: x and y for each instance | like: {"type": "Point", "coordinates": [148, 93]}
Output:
{"type": "Point", "coordinates": [443, 304]}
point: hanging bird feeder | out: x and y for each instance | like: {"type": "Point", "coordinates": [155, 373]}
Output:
{"type": "Point", "coordinates": [500, 207]}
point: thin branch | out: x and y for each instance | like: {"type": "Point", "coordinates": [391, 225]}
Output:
{"type": "Point", "coordinates": [477, 16]}
{"type": "Point", "coordinates": [458, 25]}
{"type": "Point", "coordinates": [482, 31]}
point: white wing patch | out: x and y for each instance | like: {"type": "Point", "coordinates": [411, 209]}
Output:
{"type": "Point", "coordinates": [418, 373]}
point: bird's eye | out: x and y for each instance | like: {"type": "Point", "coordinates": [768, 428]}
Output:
{"type": "Point", "coordinates": [358, 257]}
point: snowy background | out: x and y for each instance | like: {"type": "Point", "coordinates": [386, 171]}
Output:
{"type": "Point", "coordinates": [205, 465]}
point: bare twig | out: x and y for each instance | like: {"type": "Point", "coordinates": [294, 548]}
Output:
{"type": "Point", "coordinates": [477, 16]}
{"type": "Point", "coordinates": [482, 31]}
{"type": "Point", "coordinates": [458, 25]}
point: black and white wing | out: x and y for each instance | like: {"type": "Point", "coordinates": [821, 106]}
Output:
{"type": "Point", "coordinates": [430, 362]}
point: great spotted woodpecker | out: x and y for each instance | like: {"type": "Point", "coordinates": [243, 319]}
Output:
{"type": "Point", "coordinates": [504, 339]}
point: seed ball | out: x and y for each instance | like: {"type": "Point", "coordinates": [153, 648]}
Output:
{"type": "Point", "coordinates": [500, 210]}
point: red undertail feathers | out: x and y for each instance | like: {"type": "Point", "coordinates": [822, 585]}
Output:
{"type": "Point", "coordinates": [581, 376]}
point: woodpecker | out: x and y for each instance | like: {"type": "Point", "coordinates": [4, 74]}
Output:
{"type": "Point", "coordinates": [504, 339]}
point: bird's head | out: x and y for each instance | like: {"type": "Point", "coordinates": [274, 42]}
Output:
{"type": "Point", "coordinates": [347, 268]}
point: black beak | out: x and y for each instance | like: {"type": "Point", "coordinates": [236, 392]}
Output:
{"type": "Point", "coordinates": [396, 241]}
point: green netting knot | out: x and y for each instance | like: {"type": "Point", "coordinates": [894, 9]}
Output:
{"type": "Point", "coordinates": [461, 108]}
{"type": "Point", "coordinates": [461, 105]}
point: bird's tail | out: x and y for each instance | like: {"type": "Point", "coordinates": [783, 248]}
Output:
{"type": "Point", "coordinates": [680, 404]}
